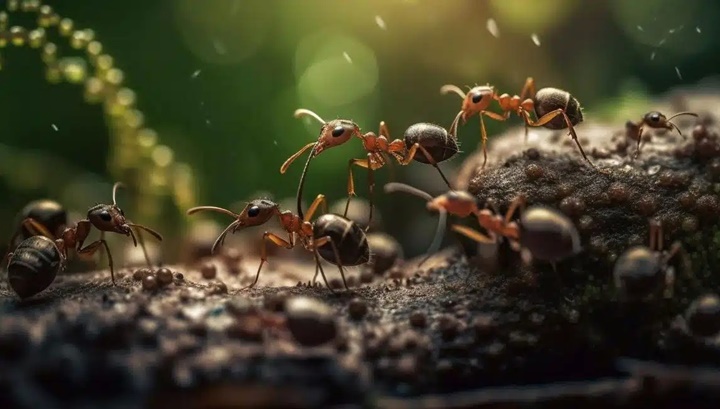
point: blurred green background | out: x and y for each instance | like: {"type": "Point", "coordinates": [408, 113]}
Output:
{"type": "Point", "coordinates": [216, 82]}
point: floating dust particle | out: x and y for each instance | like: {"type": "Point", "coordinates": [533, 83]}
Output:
{"type": "Point", "coordinates": [219, 46]}
{"type": "Point", "coordinates": [698, 30]}
{"type": "Point", "coordinates": [535, 39]}
{"type": "Point", "coordinates": [207, 122]}
{"type": "Point", "coordinates": [640, 28]}
{"type": "Point", "coordinates": [493, 28]}
{"type": "Point", "coordinates": [652, 56]}
{"type": "Point", "coordinates": [677, 70]}
{"type": "Point", "coordinates": [275, 142]}
{"type": "Point", "coordinates": [54, 127]}
{"type": "Point", "coordinates": [347, 57]}
{"type": "Point", "coordinates": [380, 22]}
{"type": "Point", "coordinates": [195, 74]}
{"type": "Point", "coordinates": [662, 42]}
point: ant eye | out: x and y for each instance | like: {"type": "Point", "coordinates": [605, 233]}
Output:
{"type": "Point", "coordinates": [105, 216]}
{"type": "Point", "coordinates": [253, 211]}
{"type": "Point", "coordinates": [655, 117]}
{"type": "Point", "coordinates": [476, 98]}
{"type": "Point", "coordinates": [338, 131]}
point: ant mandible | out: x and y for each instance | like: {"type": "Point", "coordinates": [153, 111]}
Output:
{"type": "Point", "coordinates": [655, 120]}
{"type": "Point", "coordinates": [105, 218]}
{"type": "Point", "coordinates": [379, 148]}
{"type": "Point", "coordinates": [332, 237]}
{"type": "Point", "coordinates": [555, 109]}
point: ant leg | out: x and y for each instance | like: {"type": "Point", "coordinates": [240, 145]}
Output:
{"type": "Point", "coordinates": [319, 201]}
{"type": "Point", "coordinates": [221, 238]}
{"type": "Point", "coordinates": [322, 272]}
{"type": "Point", "coordinates": [317, 271]}
{"type": "Point", "coordinates": [483, 131]}
{"type": "Point", "coordinates": [363, 163]}
{"type": "Point", "coordinates": [654, 230]}
{"type": "Point", "coordinates": [35, 229]}
{"type": "Point", "coordinates": [91, 248]}
{"type": "Point", "coordinates": [549, 117]}
{"type": "Point", "coordinates": [327, 239]}
{"type": "Point", "coordinates": [528, 90]}
{"type": "Point", "coordinates": [275, 239]}
{"type": "Point", "coordinates": [639, 139]}
{"type": "Point", "coordinates": [517, 203]}
{"type": "Point", "coordinates": [472, 234]}
{"type": "Point", "coordinates": [101, 258]}
{"type": "Point", "coordinates": [411, 155]}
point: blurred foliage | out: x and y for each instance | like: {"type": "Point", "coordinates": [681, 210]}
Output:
{"type": "Point", "coordinates": [213, 84]}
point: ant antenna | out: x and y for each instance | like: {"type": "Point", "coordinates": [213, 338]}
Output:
{"type": "Point", "coordinates": [301, 112]}
{"type": "Point", "coordinates": [442, 219]}
{"type": "Point", "coordinates": [302, 181]}
{"type": "Point", "coordinates": [114, 191]}
{"type": "Point", "coordinates": [679, 114]}
{"type": "Point", "coordinates": [446, 89]}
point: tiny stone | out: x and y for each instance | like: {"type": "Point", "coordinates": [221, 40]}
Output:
{"type": "Point", "coordinates": [311, 322]}
{"type": "Point", "coordinates": [149, 282]}
{"type": "Point", "coordinates": [418, 319]}
{"type": "Point", "coordinates": [141, 273]}
{"type": "Point", "coordinates": [164, 276]}
{"type": "Point", "coordinates": [357, 308]}
{"type": "Point", "coordinates": [208, 271]}
{"type": "Point", "coordinates": [218, 288]}
{"type": "Point", "coordinates": [179, 276]}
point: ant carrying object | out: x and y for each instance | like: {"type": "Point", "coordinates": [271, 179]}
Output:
{"type": "Point", "coordinates": [33, 265]}
{"type": "Point", "coordinates": [332, 237]}
{"type": "Point", "coordinates": [641, 271]}
{"type": "Point", "coordinates": [555, 109]}
{"type": "Point", "coordinates": [655, 120]}
{"type": "Point", "coordinates": [432, 141]}
{"type": "Point", "coordinates": [545, 233]}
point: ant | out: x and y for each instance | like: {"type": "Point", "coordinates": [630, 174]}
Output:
{"type": "Point", "coordinates": [332, 237]}
{"type": "Point", "coordinates": [640, 271]}
{"type": "Point", "coordinates": [555, 109]}
{"type": "Point", "coordinates": [49, 214]}
{"type": "Point", "coordinates": [655, 120]}
{"type": "Point", "coordinates": [35, 262]}
{"type": "Point", "coordinates": [545, 233]}
{"type": "Point", "coordinates": [380, 148]}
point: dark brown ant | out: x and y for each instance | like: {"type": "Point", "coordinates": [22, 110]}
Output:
{"type": "Point", "coordinates": [641, 271]}
{"type": "Point", "coordinates": [544, 232]}
{"type": "Point", "coordinates": [49, 214]}
{"type": "Point", "coordinates": [380, 148]}
{"type": "Point", "coordinates": [652, 119]}
{"type": "Point", "coordinates": [332, 237]}
{"type": "Point", "coordinates": [555, 109]}
{"type": "Point", "coordinates": [106, 218]}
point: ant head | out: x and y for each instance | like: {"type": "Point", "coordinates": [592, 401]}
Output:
{"type": "Point", "coordinates": [257, 212]}
{"type": "Point", "coordinates": [656, 119]}
{"type": "Point", "coordinates": [334, 133]}
{"type": "Point", "coordinates": [477, 99]}
{"type": "Point", "coordinates": [455, 202]}
{"type": "Point", "coordinates": [109, 218]}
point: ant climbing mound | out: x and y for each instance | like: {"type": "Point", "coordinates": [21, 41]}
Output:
{"type": "Point", "coordinates": [654, 120]}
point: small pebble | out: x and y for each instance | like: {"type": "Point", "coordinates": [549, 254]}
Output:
{"type": "Point", "coordinates": [311, 322]}
{"type": "Point", "coordinates": [164, 276]}
{"type": "Point", "coordinates": [418, 319]}
{"type": "Point", "coordinates": [357, 308]}
{"type": "Point", "coordinates": [208, 271]}
{"type": "Point", "coordinates": [141, 273]}
{"type": "Point", "coordinates": [218, 288]}
{"type": "Point", "coordinates": [150, 283]}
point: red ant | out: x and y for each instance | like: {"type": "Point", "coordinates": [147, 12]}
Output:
{"type": "Point", "coordinates": [379, 149]}
{"type": "Point", "coordinates": [555, 108]}
{"type": "Point", "coordinates": [655, 120]}
{"type": "Point", "coordinates": [332, 237]}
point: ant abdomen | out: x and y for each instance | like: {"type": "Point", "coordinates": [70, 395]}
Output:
{"type": "Point", "coordinates": [33, 266]}
{"type": "Point", "coordinates": [550, 99]}
{"type": "Point", "coordinates": [434, 138]}
{"type": "Point", "coordinates": [548, 234]}
{"type": "Point", "coordinates": [349, 239]}
{"type": "Point", "coordinates": [48, 213]}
